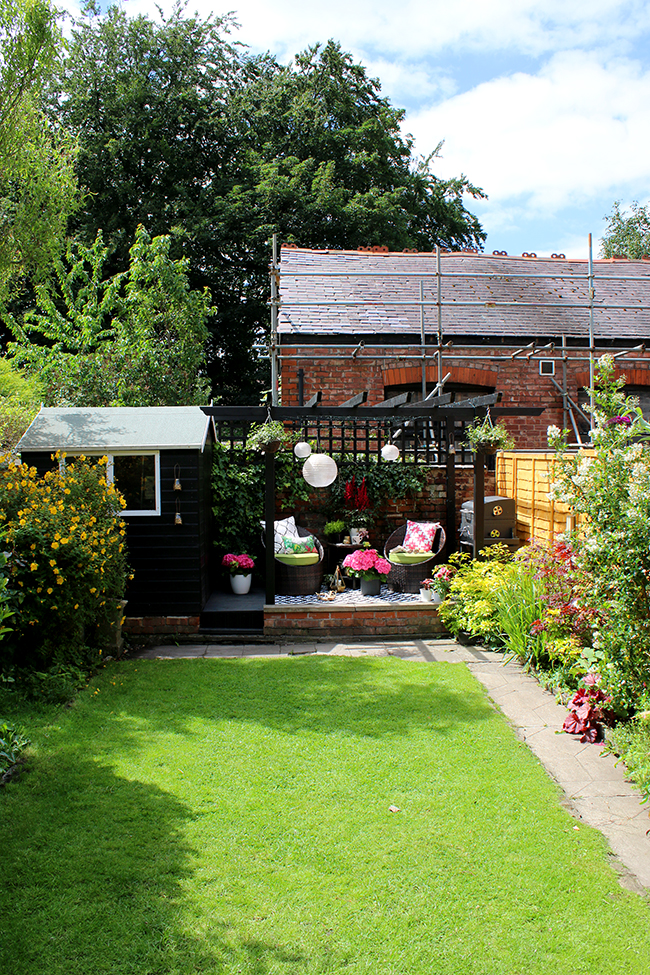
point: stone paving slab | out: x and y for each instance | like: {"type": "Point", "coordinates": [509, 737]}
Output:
{"type": "Point", "coordinates": [594, 784]}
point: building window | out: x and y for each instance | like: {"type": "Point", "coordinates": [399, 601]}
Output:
{"type": "Point", "coordinates": [137, 477]}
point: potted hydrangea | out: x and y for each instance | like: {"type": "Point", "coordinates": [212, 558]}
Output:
{"type": "Point", "coordinates": [368, 566]}
{"type": "Point", "coordinates": [436, 588]}
{"type": "Point", "coordinates": [240, 568]}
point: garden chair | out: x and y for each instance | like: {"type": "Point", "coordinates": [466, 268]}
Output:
{"type": "Point", "coordinates": [407, 574]}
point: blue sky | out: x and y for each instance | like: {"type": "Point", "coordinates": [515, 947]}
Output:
{"type": "Point", "coordinates": [545, 105]}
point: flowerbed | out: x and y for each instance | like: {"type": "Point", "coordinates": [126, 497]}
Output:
{"type": "Point", "coordinates": [66, 565]}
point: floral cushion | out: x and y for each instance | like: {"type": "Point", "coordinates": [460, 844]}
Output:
{"type": "Point", "coordinates": [285, 528]}
{"type": "Point", "coordinates": [299, 544]}
{"type": "Point", "coordinates": [420, 535]}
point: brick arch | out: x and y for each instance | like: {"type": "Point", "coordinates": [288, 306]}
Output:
{"type": "Point", "coordinates": [464, 375]}
{"type": "Point", "coordinates": [633, 377]}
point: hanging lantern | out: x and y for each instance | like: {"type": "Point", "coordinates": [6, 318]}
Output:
{"type": "Point", "coordinates": [302, 449]}
{"type": "Point", "coordinates": [319, 470]}
{"type": "Point", "coordinates": [390, 452]}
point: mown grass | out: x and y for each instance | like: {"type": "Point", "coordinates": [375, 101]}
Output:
{"type": "Point", "coordinates": [233, 817]}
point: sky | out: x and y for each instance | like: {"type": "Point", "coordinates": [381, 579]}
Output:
{"type": "Point", "coordinates": [544, 105]}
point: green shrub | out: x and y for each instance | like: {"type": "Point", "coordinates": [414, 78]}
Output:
{"type": "Point", "coordinates": [12, 743]}
{"type": "Point", "coordinates": [630, 740]}
{"type": "Point", "coordinates": [67, 560]}
{"type": "Point", "coordinates": [472, 605]}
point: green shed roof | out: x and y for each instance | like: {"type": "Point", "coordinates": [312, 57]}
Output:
{"type": "Point", "coordinates": [109, 429]}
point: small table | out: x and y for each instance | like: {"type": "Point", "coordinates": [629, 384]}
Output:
{"type": "Point", "coordinates": [336, 552]}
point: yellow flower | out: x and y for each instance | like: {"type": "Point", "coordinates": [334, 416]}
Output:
{"type": "Point", "coordinates": [33, 547]}
{"type": "Point", "coordinates": [76, 605]}
{"type": "Point", "coordinates": [33, 567]}
{"type": "Point", "coordinates": [93, 589]}
{"type": "Point", "coordinates": [59, 580]}
{"type": "Point", "coordinates": [49, 591]}
{"type": "Point", "coordinates": [55, 544]}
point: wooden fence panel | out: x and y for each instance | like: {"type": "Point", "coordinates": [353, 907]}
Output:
{"type": "Point", "coordinates": [527, 476]}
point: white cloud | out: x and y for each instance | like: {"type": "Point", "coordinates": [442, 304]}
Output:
{"type": "Point", "coordinates": [422, 28]}
{"type": "Point", "coordinates": [577, 130]}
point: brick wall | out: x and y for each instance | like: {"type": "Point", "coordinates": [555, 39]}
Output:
{"type": "Point", "coordinates": [160, 625]}
{"type": "Point", "coordinates": [519, 381]}
{"type": "Point", "coordinates": [428, 505]}
{"type": "Point", "coordinates": [328, 621]}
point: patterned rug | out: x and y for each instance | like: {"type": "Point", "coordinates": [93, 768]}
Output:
{"type": "Point", "coordinates": [350, 597]}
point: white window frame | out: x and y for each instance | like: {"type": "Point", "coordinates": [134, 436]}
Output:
{"type": "Point", "coordinates": [110, 476]}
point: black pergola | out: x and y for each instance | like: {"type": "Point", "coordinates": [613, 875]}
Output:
{"type": "Point", "coordinates": [439, 411]}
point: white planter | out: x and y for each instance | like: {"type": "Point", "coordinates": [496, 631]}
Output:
{"type": "Point", "coordinates": [355, 536]}
{"type": "Point", "coordinates": [425, 595]}
{"type": "Point", "coordinates": [241, 584]}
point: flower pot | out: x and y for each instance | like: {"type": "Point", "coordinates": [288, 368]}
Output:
{"type": "Point", "coordinates": [436, 597]}
{"type": "Point", "coordinates": [270, 447]}
{"type": "Point", "coordinates": [370, 587]}
{"type": "Point", "coordinates": [355, 536]}
{"type": "Point", "coordinates": [425, 595]}
{"type": "Point", "coordinates": [241, 584]}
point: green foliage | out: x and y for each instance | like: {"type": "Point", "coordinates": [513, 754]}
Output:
{"type": "Point", "coordinates": [472, 605]}
{"type": "Point", "coordinates": [612, 490]}
{"type": "Point", "coordinates": [182, 130]}
{"type": "Point", "coordinates": [238, 484]}
{"type": "Point", "coordinates": [136, 338]}
{"type": "Point", "coordinates": [630, 740]}
{"type": "Point", "coordinates": [263, 434]}
{"type": "Point", "coordinates": [383, 480]}
{"type": "Point", "coordinates": [334, 527]}
{"type": "Point", "coordinates": [38, 188]}
{"type": "Point", "coordinates": [518, 605]}
{"type": "Point", "coordinates": [67, 561]}
{"type": "Point", "coordinates": [488, 436]}
{"type": "Point", "coordinates": [20, 398]}
{"type": "Point", "coordinates": [12, 742]}
{"type": "Point", "coordinates": [627, 234]}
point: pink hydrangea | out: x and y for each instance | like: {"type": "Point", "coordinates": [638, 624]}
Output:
{"type": "Point", "coordinates": [238, 564]}
{"type": "Point", "coordinates": [366, 563]}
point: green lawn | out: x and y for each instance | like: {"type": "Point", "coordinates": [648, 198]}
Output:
{"type": "Point", "coordinates": [233, 816]}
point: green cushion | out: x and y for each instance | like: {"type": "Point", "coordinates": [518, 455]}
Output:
{"type": "Point", "coordinates": [298, 558]}
{"type": "Point", "coordinates": [409, 558]}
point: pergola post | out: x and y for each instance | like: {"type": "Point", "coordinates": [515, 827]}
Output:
{"type": "Point", "coordinates": [269, 527]}
{"type": "Point", "coordinates": [478, 525]}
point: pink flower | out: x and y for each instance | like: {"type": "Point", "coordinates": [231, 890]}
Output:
{"type": "Point", "coordinates": [238, 564]}
{"type": "Point", "coordinates": [367, 563]}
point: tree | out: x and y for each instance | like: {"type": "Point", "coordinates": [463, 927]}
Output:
{"type": "Point", "coordinates": [627, 235]}
{"type": "Point", "coordinates": [38, 188]}
{"type": "Point", "coordinates": [136, 338]}
{"type": "Point", "coordinates": [183, 131]}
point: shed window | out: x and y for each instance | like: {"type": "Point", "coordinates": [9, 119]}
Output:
{"type": "Point", "coordinates": [138, 478]}
{"type": "Point", "coordinates": [135, 476]}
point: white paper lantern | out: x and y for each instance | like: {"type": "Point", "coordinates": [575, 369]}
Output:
{"type": "Point", "coordinates": [390, 452]}
{"type": "Point", "coordinates": [319, 470]}
{"type": "Point", "coordinates": [302, 449]}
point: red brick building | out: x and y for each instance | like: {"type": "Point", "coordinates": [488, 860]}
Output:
{"type": "Point", "coordinates": [370, 320]}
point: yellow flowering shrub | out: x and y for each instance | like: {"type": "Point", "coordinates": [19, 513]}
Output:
{"type": "Point", "coordinates": [66, 558]}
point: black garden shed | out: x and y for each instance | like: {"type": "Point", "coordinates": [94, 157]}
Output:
{"type": "Point", "coordinates": [160, 458]}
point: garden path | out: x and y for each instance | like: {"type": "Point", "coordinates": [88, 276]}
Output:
{"type": "Point", "coordinates": [594, 785]}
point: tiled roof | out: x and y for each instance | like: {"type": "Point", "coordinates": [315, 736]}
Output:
{"type": "Point", "coordinates": [548, 306]}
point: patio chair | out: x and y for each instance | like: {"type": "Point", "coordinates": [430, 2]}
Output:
{"type": "Point", "coordinates": [295, 579]}
{"type": "Point", "coordinates": [406, 577]}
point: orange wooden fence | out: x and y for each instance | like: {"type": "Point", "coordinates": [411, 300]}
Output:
{"type": "Point", "coordinates": [527, 476]}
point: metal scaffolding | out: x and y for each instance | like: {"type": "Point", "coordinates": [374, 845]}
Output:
{"type": "Point", "coordinates": [440, 350]}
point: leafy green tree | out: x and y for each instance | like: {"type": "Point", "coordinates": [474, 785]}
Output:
{"type": "Point", "coordinates": [38, 188]}
{"type": "Point", "coordinates": [183, 131]}
{"type": "Point", "coordinates": [627, 234]}
{"type": "Point", "coordinates": [20, 398]}
{"type": "Point", "coordinates": [136, 338]}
